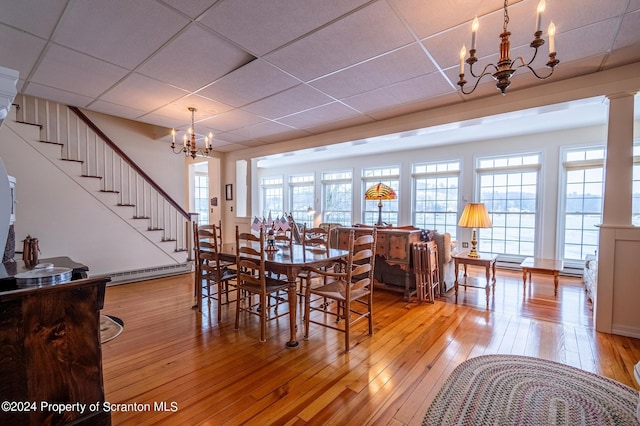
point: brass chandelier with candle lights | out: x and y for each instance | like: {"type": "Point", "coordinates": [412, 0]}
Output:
{"type": "Point", "coordinates": [506, 67]}
{"type": "Point", "coordinates": [189, 147]}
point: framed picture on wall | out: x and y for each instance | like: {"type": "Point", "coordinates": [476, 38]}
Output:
{"type": "Point", "coordinates": [228, 192]}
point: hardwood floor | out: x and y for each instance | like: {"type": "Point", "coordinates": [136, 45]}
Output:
{"type": "Point", "coordinates": [215, 375]}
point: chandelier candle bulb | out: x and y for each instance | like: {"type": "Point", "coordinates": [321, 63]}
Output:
{"type": "Point", "coordinates": [552, 34]}
{"type": "Point", "coordinates": [474, 32]}
{"type": "Point", "coordinates": [185, 140]}
{"type": "Point", "coordinates": [463, 53]}
{"type": "Point", "coordinates": [173, 136]}
{"type": "Point", "coordinates": [541, 7]}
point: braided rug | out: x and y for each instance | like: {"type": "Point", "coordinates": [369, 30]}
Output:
{"type": "Point", "coordinates": [519, 390]}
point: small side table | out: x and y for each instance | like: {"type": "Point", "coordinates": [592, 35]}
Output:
{"type": "Point", "coordinates": [487, 260]}
{"type": "Point", "coordinates": [543, 266]}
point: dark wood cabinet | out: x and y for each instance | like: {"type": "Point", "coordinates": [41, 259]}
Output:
{"type": "Point", "coordinates": [50, 352]}
{"type": "Point", "coordinates": [393, 255]}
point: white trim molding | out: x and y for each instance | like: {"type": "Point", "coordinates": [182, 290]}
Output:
{"type": "Point", "coordinates": [8, 91]}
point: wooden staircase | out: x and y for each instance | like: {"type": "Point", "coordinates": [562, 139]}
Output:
{"type": "Point", "coordinates": [97, 164]}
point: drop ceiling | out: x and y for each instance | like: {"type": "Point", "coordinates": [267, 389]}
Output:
{"type": "Point", "coordinates": [265, 71]}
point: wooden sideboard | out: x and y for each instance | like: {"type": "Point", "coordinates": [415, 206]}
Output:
{"type": "Point", "coordinates": [50, 352]}
{"type": "Point", "coordinates": [393, 255]}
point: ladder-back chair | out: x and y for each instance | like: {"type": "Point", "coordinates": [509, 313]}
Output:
{"type": "Point", "coordinates": [352, 289]}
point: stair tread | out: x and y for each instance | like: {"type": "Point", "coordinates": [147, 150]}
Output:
{"type": "Point", "coordinates": [30, 124]}
{"type": "Point", "coordinates": [72, 160]}
{"type": "Point", "coordinates": [155, 229]}
{"type": "Point", "coordinates": [141, 217]}
{"type": "Point", "coordinates": [51, 142]}
{"type": "Point", "coordinates": [111, 191]}
{"type": "Point", "coordinates": [91, 176]}
{"type": "Point", "coordinates": [125, 205]}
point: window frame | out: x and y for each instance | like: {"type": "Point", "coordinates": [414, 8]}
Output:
{"type": "Point", "coordinates": [524, 167]}
{"type": "Point", "coordinates": [453, 169]}
{"type": "Point", "coordinates": [326, 180]}
{"type": "Point", "coordinates": [388, 175]}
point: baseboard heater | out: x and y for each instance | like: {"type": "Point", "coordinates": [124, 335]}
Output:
{"type": "Point", "coordinates": [149, 273]}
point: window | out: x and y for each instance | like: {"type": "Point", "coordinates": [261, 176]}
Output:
{"type": "Point", "coordinates": [508, 187]}
{"type": "Point", "coordinates": [201, 197]}
{"type": "Point", "coordinates": [436, 196]}
{"type": "Point", "coordinates": [272, 196]}
{"type": "Point", "coordinates": [389, 176]}
{"type": "Point", "coordinates": [635, 203]}
{"type": "Point", "coordinates": [583, 198]}
{"type": "Point", "coordinates": [302, 195]}
{"type": "Point", "coordinates": [337, 197]}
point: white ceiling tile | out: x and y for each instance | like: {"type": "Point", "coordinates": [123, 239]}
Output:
{"type": "Point", "coordinates": [267, 128]}
{"type": "Point", "coordinates": [324, 51]}
{"type": "Point", "coordinates": [284, 136]}
{"type": "Point", "coordinates": [419, 105]}
{"type": "Point", "coordinates": [252, 143]}
{"type": "Point", "coordinates": [144, 93]}
{"type": "Point", "coordinates": [232, 120]}
{"type": "Point", "coordinates": [175, 122]}
{"type": "Point", "coordinates": [64, 97]}
{"type": "Point", "coordinates": [586, 41]}
{"type": "Point", "coordinates": [569, 15]}
{"type": "Point", "coordinates": [29, 46]}
{"type": "Point", "coordinates": [411, 90]}
{"type": "Point", "coordinates": [339, 124]}
{"type": "Point", "coordinates": [194, 59]}
{"type": "Point", "coordinates": [233, 18]}
{"type": "Point", "coordinates": [628, 33]}
{"type": "Point", "coordinates": [320, 115]}
{"type": "Point", "coordinates": [296, 99]}
{"type": "Point", "coordinates": [179, 109]}
{"type": "Point", "coordinates": [229, 137]}
{"type": "Point", "coordinates": [633, 5]}
{"type": "Point", "coordinates": [191, 8]}
{"type": "Point", "coordinates": [255, 80]}
{"type": "Point", "coordinates": [230, 147]}
{"type": "Point", "coordinates": [116, 110]}
{"type": "Point", "coordinates": [402, 64]}
{"type": "Point", "coordinates": [427, 19]}
{"type": "Point", "coordinates": [87, 77]}
{"type": "Point", "coordinates": [142, 26]}
{"type": "Point", "coordinates": [34, 16]}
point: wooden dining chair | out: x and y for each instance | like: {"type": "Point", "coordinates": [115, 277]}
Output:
{"type": "Point", "coordinates": [352, 289]}
{"type": "Point", "coordinates": [253, 279]}
{"type": "Point", "coordinates": [214, 275]}
{"type": "Point", "coordinates": [313, 239]}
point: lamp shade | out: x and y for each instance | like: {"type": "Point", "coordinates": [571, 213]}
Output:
{"type": "Point", "coordinates": [475, 215]}
{"type": "Point", "coordinates": [380, 191]}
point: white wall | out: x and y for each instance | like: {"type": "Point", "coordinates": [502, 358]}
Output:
{"type": "Point", "coordinates": [67, 219]}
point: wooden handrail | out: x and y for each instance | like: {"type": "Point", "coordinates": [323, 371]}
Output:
{"type": "Point", "coordinates": [129, 161]}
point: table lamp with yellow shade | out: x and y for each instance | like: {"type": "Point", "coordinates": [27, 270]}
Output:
{"type": "Point", "coordinates": [474, 216]}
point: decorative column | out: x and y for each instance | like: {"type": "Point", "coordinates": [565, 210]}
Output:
{"type": "Point", "coordinates": [619, 161]}
{"type": "Point", "coordinates": [615, 296]}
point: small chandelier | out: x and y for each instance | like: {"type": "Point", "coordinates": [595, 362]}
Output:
{"type": "Point", "coordinates": [506, 67]}
{"type": "Point", "coordinates": [189, 147]}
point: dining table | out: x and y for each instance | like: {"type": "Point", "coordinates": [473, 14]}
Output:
{"type": "Point", "coordinates": [289, 260]}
